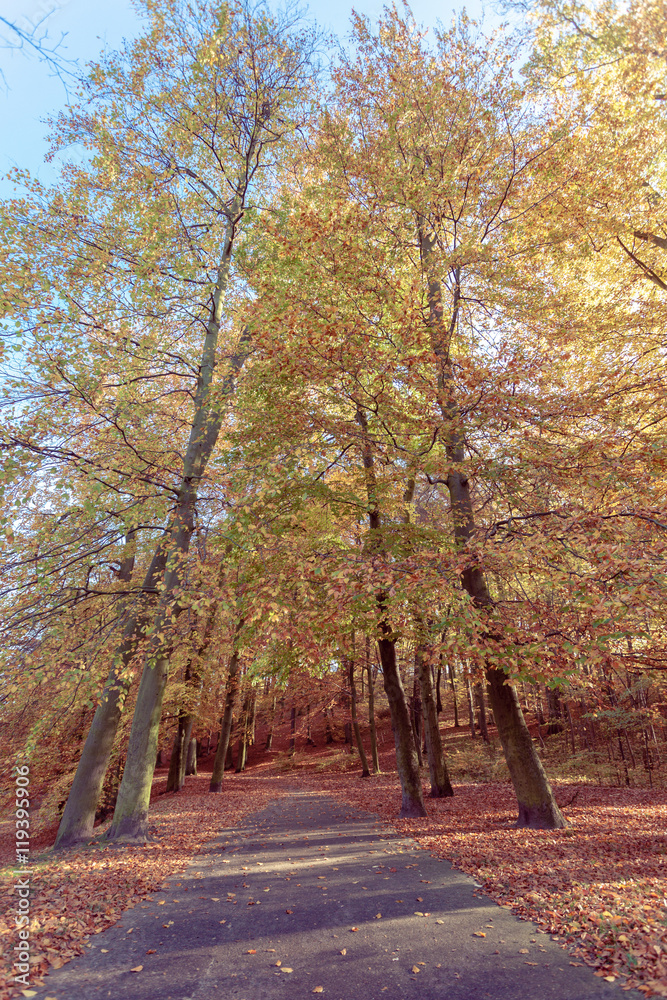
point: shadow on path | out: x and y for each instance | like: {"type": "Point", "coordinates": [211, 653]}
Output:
{"type": "Point", "coordinates": [310, 895]}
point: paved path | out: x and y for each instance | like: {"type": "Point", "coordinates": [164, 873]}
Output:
{"type": "Point", "coordinates": [312, 896]}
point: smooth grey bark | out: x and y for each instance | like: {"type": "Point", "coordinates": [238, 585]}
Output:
{"type": "Point", "coordinates": [537, 804]}
{"type": "Point", "coordinates": [78, 820]}
{"type": "Point", "coordinates": [441, 786]}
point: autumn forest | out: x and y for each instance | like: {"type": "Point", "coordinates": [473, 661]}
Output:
{"type": "Point", "coordinates": [333, 407]}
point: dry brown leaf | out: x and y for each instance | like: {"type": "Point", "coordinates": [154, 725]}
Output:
{"type": "Point", "coordinates": [415, 968]}
{"type": "Point", "coordinates": [479, 933]}
{"type": "Point", "coordinates": [137, 968]}
{"type": "Point", "coordinates": [286, 969]}
{"type": "Point", "coordinates": [524, 951]}
{"type": "Point", "coordinates": [343, 951]}
{"type": "Point", "coordinates": [251, 951]}
{"type": "Point", "coordinates": [319, 989]}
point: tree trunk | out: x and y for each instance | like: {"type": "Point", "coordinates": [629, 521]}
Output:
{"type": "Point", "coordinates": [536, 801]}
{"type": "Point", "coordinates": [416, 714]}
{"type": "Point", "coordinates": [412, 799]}
{"type": "Point", "coordinates": [441, 786]}
{"type": "Point", "coordinates": [452, 679]}
{"type": "Point", "coordinates": [269, 735]}
{"type": "Point", "coordinates": [537, 807]}
{"type": "Point", "coordinates": [191, 757]}
{"type": "Point", "coordinates": [228, 713]}
{"type": "Point", "coordinates": [78, 818]}
{"type": "Point", "coordinates": [327, 727]}
{"type": "Point", "coordinates": [177, 761]}
{"type": "Point", "coordinates": [130, 818]}
{"type": "Point", "coordinates": [292, 738]}
{"type": "Point", "coordinates": [365, 773]}
{"type": "Point", "coordinates": [371, 709]}
{"type": "Point", "coordinates": [481, 712]}
{"type": "Point", "coordinates": [471, 708]}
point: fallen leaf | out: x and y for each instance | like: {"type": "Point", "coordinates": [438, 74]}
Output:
{"type": "Point", "coordinates": [289, 911]}
{"type": "Point", "coordinates": [251, 951]}
{"type": "Point", "coordinates": [285, 969]}
{"type": "Point", "coordinates": [151, 951]}
{"type": "Point", "coordinates": [278, 963]}
{"type": "Point", "coordinates": [319, 989]}
{"type": "Point", "coordinates": [137, 968]}
{"type": "Point", "coordinates": [354, 928]}
{"type": "Point", "coordinates": [105, 951]}
{"type": "Point", "coordinates": [378, 916]}
{"type": "Point", "coordinates": [343, 951]}
{"type": "Point", "coordinates": [524, 951]}
{"type": "Point", "coordinates": [415, 968]}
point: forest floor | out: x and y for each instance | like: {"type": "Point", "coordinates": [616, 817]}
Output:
{"type": "Point", "coordinates": [599, 887]}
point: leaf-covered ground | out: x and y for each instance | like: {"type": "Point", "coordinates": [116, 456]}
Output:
{"type": "Point", "coordinates": [600, 887]}
{"type": "Point", "coordinates": [82, 892]}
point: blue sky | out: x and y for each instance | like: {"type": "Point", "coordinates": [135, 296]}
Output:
{"type": "Point", "coordinates": [30, 93]}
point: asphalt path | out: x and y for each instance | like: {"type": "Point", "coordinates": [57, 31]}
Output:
{"type": "Point", "coordinates": [312, 896]}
